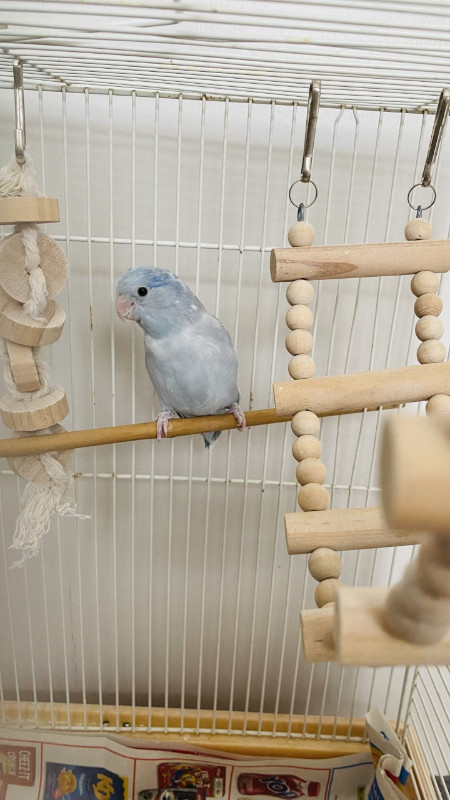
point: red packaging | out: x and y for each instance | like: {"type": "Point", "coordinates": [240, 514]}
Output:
{"type": "Point", "coordinates": [178, 775]}
{"type": "Point", "coordinates": [288, 787]}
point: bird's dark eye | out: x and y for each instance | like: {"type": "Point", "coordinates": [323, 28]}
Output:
{"type": "Point", "coordinates": [142, 291]}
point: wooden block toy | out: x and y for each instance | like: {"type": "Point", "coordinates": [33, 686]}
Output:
{"type": "Point", "coordinates": [14, 278]}
{"type": "Point", "coordinates": [28, 209]}
{"type": "Point", "coordinates": [17, 326]}
{"type": "Point", "coordinates": [33, 414]}
{"type": "Point", "coordinates": [31, 467]}
{"type": "Point", "coordinates": [23, 367]}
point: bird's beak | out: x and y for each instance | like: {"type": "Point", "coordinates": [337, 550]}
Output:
{"type": "Point", "coordinates": [124, 307]}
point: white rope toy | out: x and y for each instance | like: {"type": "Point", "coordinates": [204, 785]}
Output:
{"type": "Point", "coordinates": [40, 499]}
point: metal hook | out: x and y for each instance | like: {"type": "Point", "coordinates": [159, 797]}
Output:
{"type": "Point", "coordinates": [19, 105]}
{"type": "Point", "coordinates": [436, 135]}
{"type": "Point", "coordinates": [312, 113]}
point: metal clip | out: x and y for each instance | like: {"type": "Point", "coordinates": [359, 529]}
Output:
{"type": "Point", "coordinates": [436, 135]}
{"type": "Point", "coordinates": [19, 105]}
{"type": "Point", "coordinates": [311, 120]}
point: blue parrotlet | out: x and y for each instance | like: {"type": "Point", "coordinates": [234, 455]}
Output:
{"type": "Point", "coordinates": [189, 354]}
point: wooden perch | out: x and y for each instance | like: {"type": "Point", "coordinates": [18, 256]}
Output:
{"type": "Point", "coordinates": [359, 260]}
{"type": "Point", "coordinates": [343, 529]}
{"type": "Point", "coordinates": [94, 437]}
{"type": "Point", "coordinates": [338, 394]}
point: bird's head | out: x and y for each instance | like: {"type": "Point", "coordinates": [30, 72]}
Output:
{"type": "Point", "coordinates": [155, 298]}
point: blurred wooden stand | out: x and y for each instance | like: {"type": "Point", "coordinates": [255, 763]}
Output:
{"type": "Point", "coordinates": [409, 623]}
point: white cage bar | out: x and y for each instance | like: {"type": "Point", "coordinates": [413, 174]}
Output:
{"type": "Point", "coordinates": [176, 145]}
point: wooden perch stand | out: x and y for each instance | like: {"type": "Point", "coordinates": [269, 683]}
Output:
{"type": "Point", "coordinates": [340, 393]}
{"type": "Point", "coordinates": [359, 260]}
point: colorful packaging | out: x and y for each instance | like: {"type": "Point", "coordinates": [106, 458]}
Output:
{"type": "Point", "coordinates": [384, 785]}
{"type": "Point", "coordinates": [288, 787]}
{"type": "Point", "coordinates": [181, 776]}
{"type": "Point", "coordinates": [17, 767]}
{"type": "Point", "coordinates": [172, 794]}
{"type": "Point", "coordinates": [64, 782]}
{"type": "Point", "coordinates": [384, 740]}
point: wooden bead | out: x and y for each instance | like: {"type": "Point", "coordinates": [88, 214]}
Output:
{"type": "Point", "coordinates": [324, 563]}
{"type": "Point", "coordinates": [299, 342]}
{"type": "Point", "coordinates": [305, 422]}
{"type": "Point", "coordinates": [300, 292]}
{"type": "Point", "coordinates": [301, 234]}
{"type": "Point", "coordinates": [417, 229]}
{"type": "Point", "coordinates": [32, 415]}
{"type": "Point", "coordinates": [311, 470]}
{"type": "Point", "coordinates": [313, 497]}
{"type": "Point", "coordinates": [299, 317]}
{"type": "Point", "coordinates": [17, 326]}
{"type": "Point", "coordinates": [428, 304]}
{"type": "Point", "coordinates": [438, 404]}
{"type": "Point", "coordinates": [429, 327]}
{"type": "Point", "coordinates": [14, 279]}
{"type": "Point", "coordinates": [28, 209]}
{"type": "Point", "coordinates": [301, 367]}
{"type": "Point", "coordinates": [30, 467]}
{"type": "Point", "coordinates": [307, 446]}
{"type": "Point", "coordinates": [425, 282]}
{"type": "Point", "coordinates": [431, 352]}
{"type": "Point", "coordinates": [326, 591]}
{"type": "Point", "coordinates": [23, 367]}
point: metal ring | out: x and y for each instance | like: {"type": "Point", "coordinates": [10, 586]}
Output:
{"type": "Point", "coordinates": [424, 208]}
{"type": "Point", "coordinates": [312, 201]}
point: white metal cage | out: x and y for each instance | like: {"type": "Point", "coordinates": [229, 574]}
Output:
{"type": "Point", "coordinates": [171, 132]}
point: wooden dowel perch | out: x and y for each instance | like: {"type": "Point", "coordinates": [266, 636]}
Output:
{"type": "Point", "coordinates": [359, 260]}
{"type": "Point", "coordinates": [93, 437]}
{"type": "Point", "coordinates": [343, 529]}
{"type": "Point", "coordinates": [340, 393]}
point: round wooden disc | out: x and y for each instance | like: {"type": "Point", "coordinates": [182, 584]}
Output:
{"type": "Point", "coordinates": [28, 209]}
{"type": "Point", "coordinates": [30, 467]}
{"type": "Point", "coordinates": [34, 414]}
{"type": "Point", "coordinates": [17, 326]}
{"type": "Point", "coordinates": [14, 279]}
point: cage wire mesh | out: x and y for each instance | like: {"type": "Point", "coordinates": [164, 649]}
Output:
{"type": "Point", "coordinates": [179, 592]}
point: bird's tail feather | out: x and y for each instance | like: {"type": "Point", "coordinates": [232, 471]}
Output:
{"type": "Point", "coordinates": [210, 437]}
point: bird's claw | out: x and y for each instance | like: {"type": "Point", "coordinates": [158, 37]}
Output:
{"type": "Point", "coordinates": [162, 423]}
{"type": "Point", "coordinates": [239, 416]}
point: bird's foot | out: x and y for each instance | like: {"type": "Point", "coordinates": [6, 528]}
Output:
{"type": "Point", "coordinates": [162, 423]}
{"type": "Point", "coordinates": [239, 416]}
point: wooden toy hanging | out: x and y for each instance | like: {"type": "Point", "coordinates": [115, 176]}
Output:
{"type": "Point", "coordinates": [322, 532]}
{"type": "Point", "coordinates": [33, 269]}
